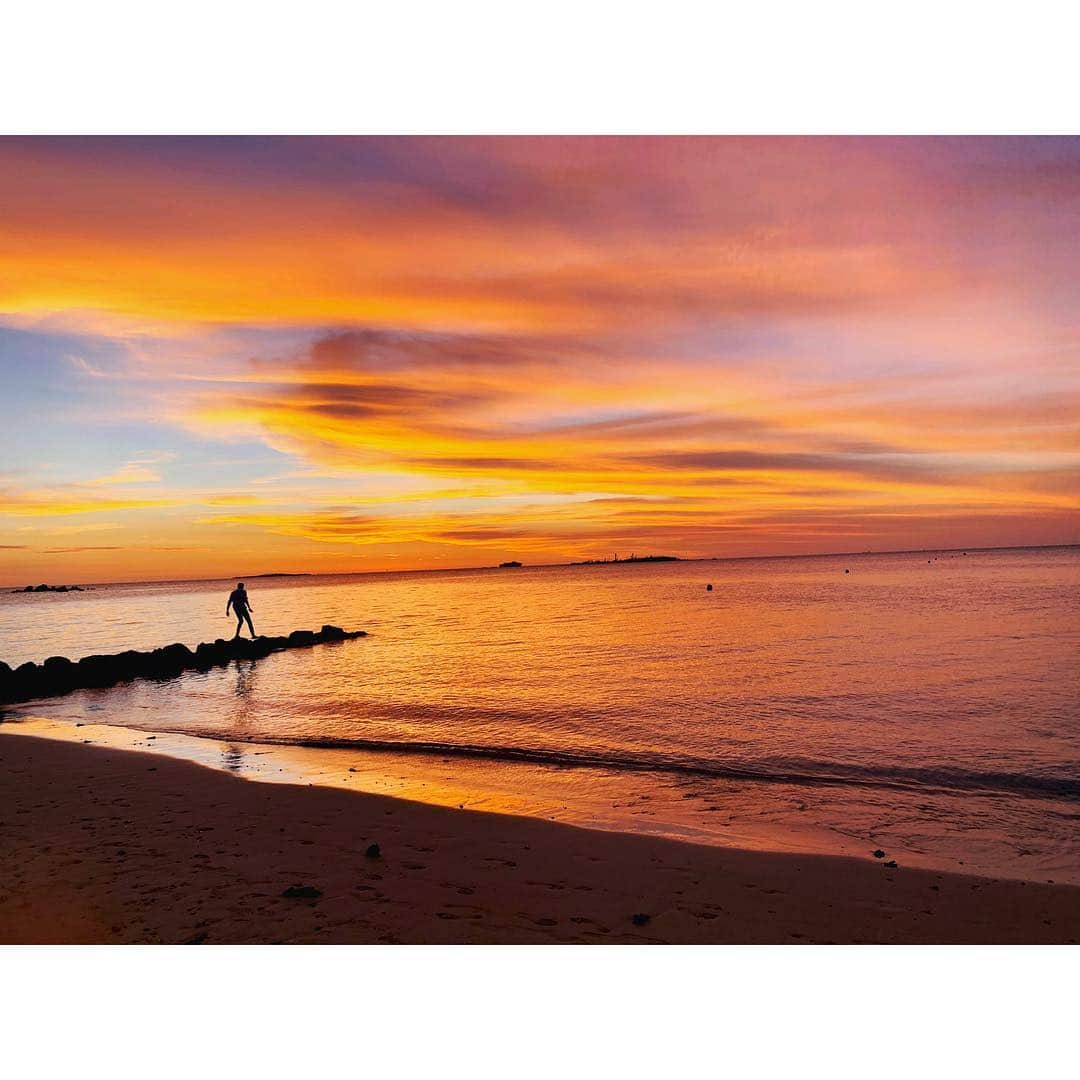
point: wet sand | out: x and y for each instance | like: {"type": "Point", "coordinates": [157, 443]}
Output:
{"type": "Point", "coordinates": [111, 846]}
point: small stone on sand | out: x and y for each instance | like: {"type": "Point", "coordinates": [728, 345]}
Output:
{"type": "Point", "coordinates": [302, 892]}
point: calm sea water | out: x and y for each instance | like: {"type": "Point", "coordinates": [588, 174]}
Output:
{"type": "Point", "coordinates": [927, 704]}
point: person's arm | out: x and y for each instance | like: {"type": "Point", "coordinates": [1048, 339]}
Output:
{"type": "Point", "coordinates": [229, 604]}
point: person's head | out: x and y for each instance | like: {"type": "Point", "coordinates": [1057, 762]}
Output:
{"type": "Point", "coordinates": [240, 585]}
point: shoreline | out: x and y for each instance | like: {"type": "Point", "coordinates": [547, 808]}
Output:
{"type": "Point", "coordinates": [742, 815]}
{"type": "Point", "coordinates": [117, 846]}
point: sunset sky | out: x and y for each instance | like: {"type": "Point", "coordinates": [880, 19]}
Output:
{"type": "Point", "coordinates": [240, 356]}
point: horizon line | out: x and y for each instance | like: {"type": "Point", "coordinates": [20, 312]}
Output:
{"type": "Point", "coordinates": [556, 565]}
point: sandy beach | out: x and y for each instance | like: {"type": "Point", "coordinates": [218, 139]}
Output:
{"type": "Point", "coordinates": [105, 846]}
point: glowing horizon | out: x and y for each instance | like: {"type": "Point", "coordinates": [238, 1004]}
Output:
{"type": "Point", "coordinates": [285, 355]}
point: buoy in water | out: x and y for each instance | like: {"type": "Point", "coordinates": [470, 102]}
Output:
{"type": "Point", "coordinates": [708, 588]}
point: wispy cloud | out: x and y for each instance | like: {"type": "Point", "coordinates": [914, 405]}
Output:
{"type": "Point", "coordinates": [84, 367]}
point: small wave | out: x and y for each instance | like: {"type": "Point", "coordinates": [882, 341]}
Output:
{"type": "Point", "coordinates": [778, 771]}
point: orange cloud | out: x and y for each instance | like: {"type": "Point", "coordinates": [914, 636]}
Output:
{"type": "Point", "coordinates": [547, 346]}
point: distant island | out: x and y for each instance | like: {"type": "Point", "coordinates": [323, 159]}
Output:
{"type": "Point", "coordinates": [512, 562]}
{"type": "Point", "coordinates": [51, 588]}
{"type": "Point", "coordinates": [630, 559]}
{"type": "Point", "coordinates": [252, 577]}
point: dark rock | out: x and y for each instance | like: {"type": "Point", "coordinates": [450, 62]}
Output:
{"type": "Point", "coordinates": [302, 892]}
{"type": "Point", "coordinates": [302, 637]}
{"type": "Point", "coordinates": [99, 670]}
{"type": "Point", "coordinates": [59, 673]}
{"type": "Point", "coordinates": [131, 664]}
{"type": "Point", "coordinates": [641, 919]}
{"type": "Point", "coordinates": [167, 662]}
{"type": "Point", "coordinates": [241, 649]}
{"type": "Point", "coordinates": [373, 851]}
{"type": "Point", "coordinates": [178, 654]}
{"type": "Point", "coordinates": [211, 654]}
{"type": "Point", "coordinates": [157, 667]}
{"type": "Point", "coordinates": [891, 864]}
{"type": "Point", "coordinates": [332, 633]}
{"type": "Point", "coordinates": [26, 681]}
{"type": "Point", "coordinates": [259, 648]}
{"type": "Point", "coordinates": [879, 854]}
{"type": "Point", "coordinates": [708, 588]}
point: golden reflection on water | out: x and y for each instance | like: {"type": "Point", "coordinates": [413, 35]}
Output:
{"type": "Point", "coordinates": [932, 704]}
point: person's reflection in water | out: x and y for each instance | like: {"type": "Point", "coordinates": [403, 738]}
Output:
{"type": "Point", "coordinates": [245, 678]}
{"type": "Point", "coordinates": [233, 755]}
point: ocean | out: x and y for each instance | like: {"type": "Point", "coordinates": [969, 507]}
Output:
{"type": "Point", "coordinates": [924, 703]}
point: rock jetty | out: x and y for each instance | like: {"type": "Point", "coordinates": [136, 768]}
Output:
{"type": "Point", "coordinates": [59, 675]}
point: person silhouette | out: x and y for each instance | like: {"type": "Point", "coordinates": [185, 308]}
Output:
{"type": "Point", "coordinates": [241, 605]}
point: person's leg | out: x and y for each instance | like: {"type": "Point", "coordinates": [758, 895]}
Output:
{"type": "Point", "coordinates": [239, 625]}
{"type": "Point", "coordinates": [247, 615]}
